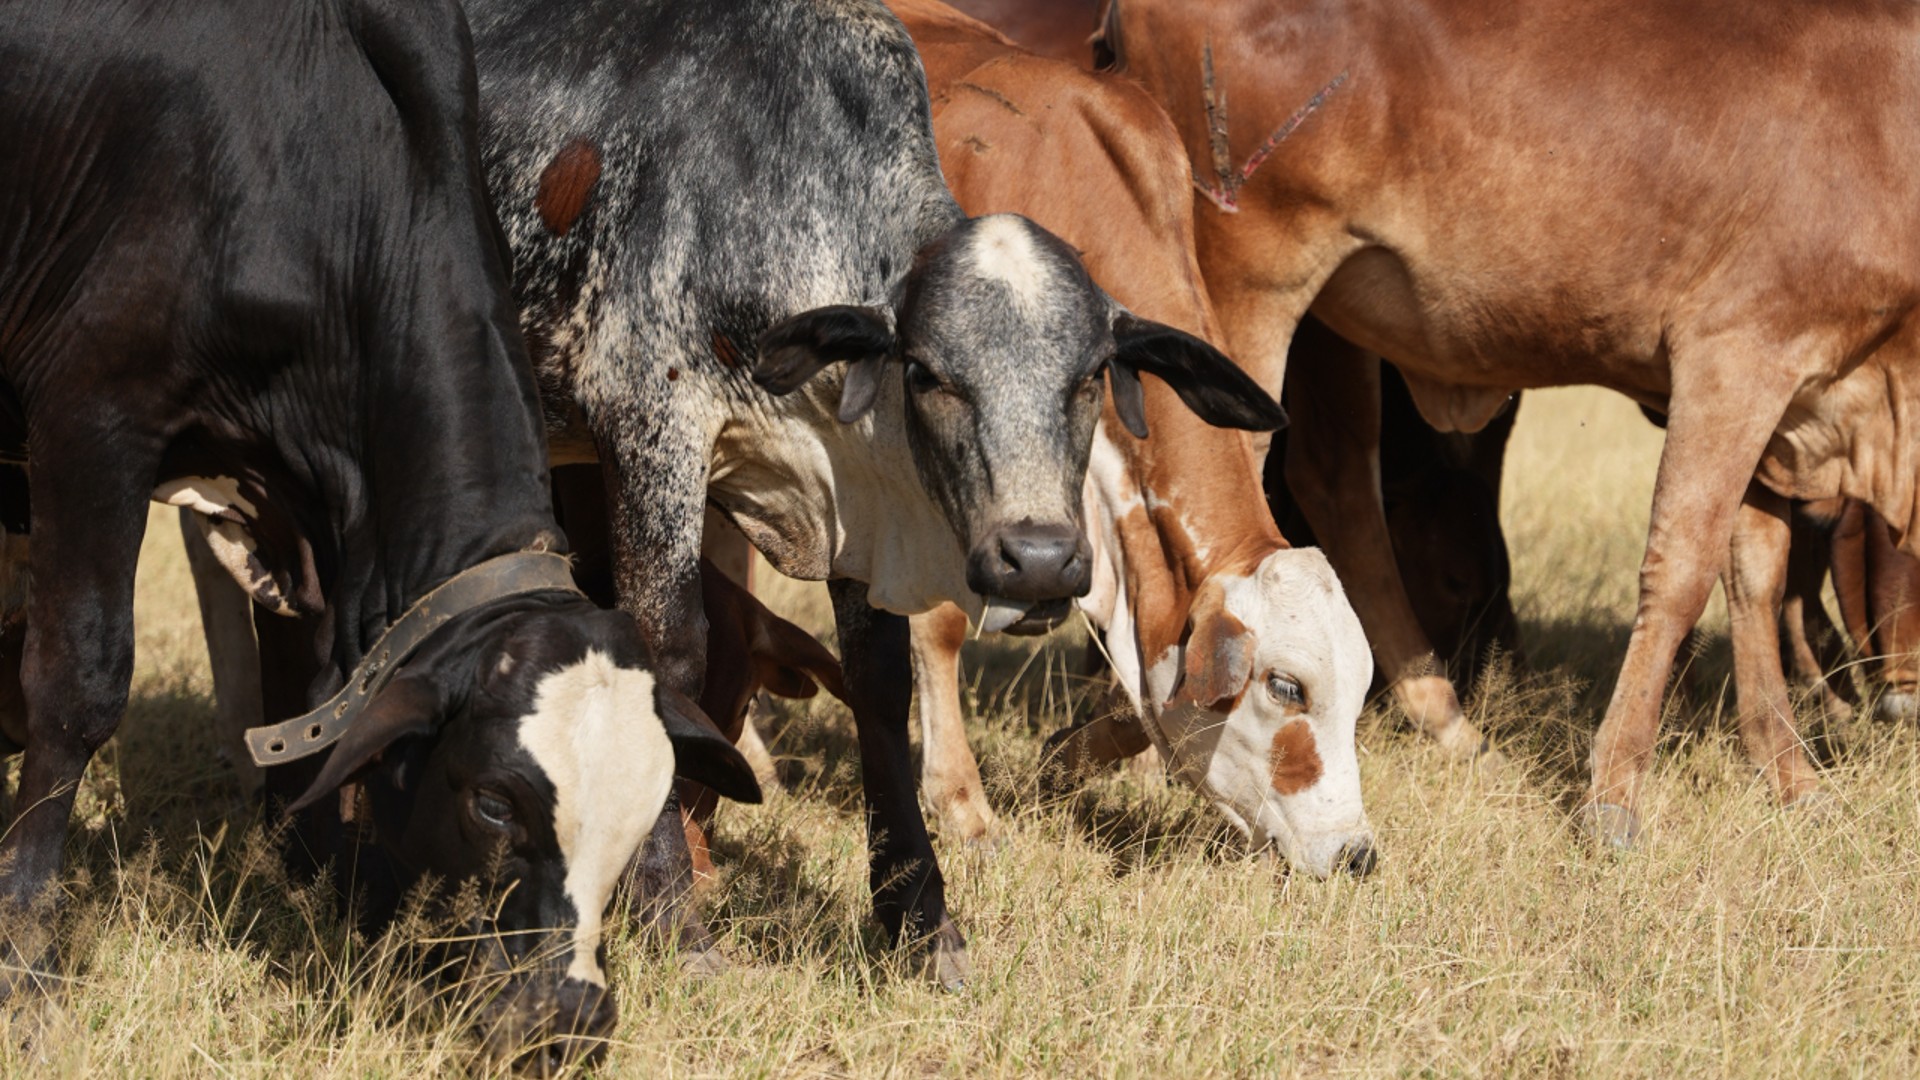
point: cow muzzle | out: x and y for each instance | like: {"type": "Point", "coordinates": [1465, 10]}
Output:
{"type": "Point", "coordinates": [1029, 572]}
{"type": "Point", "coordinates": [546, 1026]}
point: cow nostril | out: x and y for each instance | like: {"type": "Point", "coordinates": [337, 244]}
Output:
{"type": "Point", "coordinates": [1357, 859]}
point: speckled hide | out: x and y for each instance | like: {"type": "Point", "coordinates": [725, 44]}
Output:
{"type": "Point", "coordinates": [678, 180]}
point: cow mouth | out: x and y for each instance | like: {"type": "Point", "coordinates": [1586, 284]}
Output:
{"type": "Point", "coordinates": [543, 1027]}
{"type": "Point", "coordinates": [1022, 618]}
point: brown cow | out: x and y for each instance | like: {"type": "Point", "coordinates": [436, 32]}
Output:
{"type": "Point", "coordinates": [1242, 655]}
{"type": "Point", "coordinates": [1061, 29]}
{"type": "Point", "coordinates": [1702, 205]}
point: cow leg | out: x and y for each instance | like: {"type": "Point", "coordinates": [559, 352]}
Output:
{"type": "Point", "coordinates": [1893, 601]}
{"type": "Point", "coordinates": [1812, 649]}
{"type": "Point", "coordinates": [1073, 755]}
{"type": "Point", "coordinates": [656, 498]}
{"type": "Point", "coordinates": [1333, 453]}
{"type": "Point", "coordinates": [88, 517]}
{"type": "Point", "coordinates": [1710, 455]}
{"type": "Point", "coordinates": [909, 897]}
{"type": "Point", "coordinates": [226, 618]}
{"type": "Point", "coordinates": [949, 774]}
{"type": "Point", "coordinates": [1756, 586]}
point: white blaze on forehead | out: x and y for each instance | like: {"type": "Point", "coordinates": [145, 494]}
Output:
{"type": "Point", "coordinates": [1001, 249]}
{"type": "Point", "coordinates": [594, 733]}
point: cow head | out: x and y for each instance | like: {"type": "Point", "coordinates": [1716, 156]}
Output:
{"type": "Point", "coordinates": [999, 341]}
{"type": "Point", "coordinates": [1271, 683]}
{"type": "Point", "coordinates": [531, 747]}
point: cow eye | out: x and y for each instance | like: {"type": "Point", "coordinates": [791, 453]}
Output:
{"type": "Point", "coordinates": [493, 810]}
{"type": "Point", "coordinates": [1286, 691]}
{"type": "Point", "coordinates": [919, 379]}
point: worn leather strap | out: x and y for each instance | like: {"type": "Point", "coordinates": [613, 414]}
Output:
{"type": "Point", "coordinates": [507, 575]}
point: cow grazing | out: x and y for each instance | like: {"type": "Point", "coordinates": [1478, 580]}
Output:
{"type": "Point", "coordinates": [1497, 196]}
{"type": "Point", "coordinates": [1246, 665]}
{"type": "Point", "coordinates": [272, 292]}
{"type": "Point", "coordinates": [745, 284]}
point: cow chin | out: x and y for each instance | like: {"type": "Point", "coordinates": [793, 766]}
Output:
{"type": "Point", "coordinates": [543, 1025]}
{"type": "Point", "coordinates": [1022, 618]}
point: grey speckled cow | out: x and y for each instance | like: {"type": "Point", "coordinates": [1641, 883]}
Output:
{"type": "Point", "coordinates": [745, 282]}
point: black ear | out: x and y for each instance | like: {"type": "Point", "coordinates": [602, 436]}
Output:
{"type": "Point", "coordinates": [794, 351]}
{"type": "Point", "coordinates": [1129, 399]}
{"type": "Point", "coordinates": [1211, 385]}
{"type": "Point", "coordinates": [410, 705]}
{"type": "Point", "coordinates": [700, 752]}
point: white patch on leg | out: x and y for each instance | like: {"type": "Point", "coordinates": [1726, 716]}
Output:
{"type": "Point", "coordinates": [225, 516]}
{"type": "Point", "coordinates": [1002, 251]}
{"type": "Point", "coordinates": [594, 733]}
{"type": "Point", "coordinates": [213, 496]}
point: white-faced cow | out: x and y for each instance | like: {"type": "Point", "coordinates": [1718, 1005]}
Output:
{"type": "Point", "coordinates": [1704, 206]}
{"type": "Point", "coordinates": [247, 267]}
{"type": "Point", "coordinates": [744, 283]}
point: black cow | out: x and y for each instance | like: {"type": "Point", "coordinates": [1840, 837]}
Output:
{"type": "Point", "coordinates": [247, 266]}
{"type": "Point", "coordinates": [710, 200]}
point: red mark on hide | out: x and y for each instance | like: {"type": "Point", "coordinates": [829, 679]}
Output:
{"type": "Point", "coordinates": [565, 185]}
{"type": "Point", "coordinates": [1293, 761]}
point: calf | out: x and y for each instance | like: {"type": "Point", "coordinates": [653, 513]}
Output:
{"type": "Point", "coordinates": [1713, 273]}
{"type": "Point", "coordinates": [272, 292]}
{"type": "Point", "coordinates": [1246, 666]}
{"type": "Point", "coordinates": [745, 284]}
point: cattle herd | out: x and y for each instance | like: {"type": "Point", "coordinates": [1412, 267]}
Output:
{"type": "Point", "coordinates": [477, 344]}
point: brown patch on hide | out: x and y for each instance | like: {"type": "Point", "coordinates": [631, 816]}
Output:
{"type": "Point", "coordinates": [565, 185]}
{"type": "Point", "coordinates": [1293, 761]}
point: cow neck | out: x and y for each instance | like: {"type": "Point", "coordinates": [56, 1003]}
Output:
{"type": "Point", "coordinates": [1200, 492]}
{"type": "Point", "coordinates": [885, 529]}
{"type": "Point", "coordinates": [452, 473]}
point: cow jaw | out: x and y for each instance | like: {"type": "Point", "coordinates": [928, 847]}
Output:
{"type": "Point", "coordinates": [593, 732]}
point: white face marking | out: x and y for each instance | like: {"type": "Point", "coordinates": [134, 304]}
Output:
{"type": "Point", "coordinates": [594, 733]}
{"type": "Point", "coordinates": [1304, 628]}
{"type": "Point", "coordinates": [1001, 250]}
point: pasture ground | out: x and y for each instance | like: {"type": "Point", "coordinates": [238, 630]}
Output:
{"type": "Point", "coordinates": [1123, 931]}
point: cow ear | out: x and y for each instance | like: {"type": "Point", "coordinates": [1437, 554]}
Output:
{"type": "Point", "coordinates": [700, 752]}
{"type": "Point", "coordinates": [1219, 654]}
{"type": "Point", "coordinates": [791, 662]}
{"type": "Point", "coordinates": [410, 705]}
{"type": "Point", "coordinates": [797, 349]}
{"type": "Point", "coordinates": [1211, 385]}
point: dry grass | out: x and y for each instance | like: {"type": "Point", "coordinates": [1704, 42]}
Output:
{"type": "Point", "coordinates": [1124, 931]}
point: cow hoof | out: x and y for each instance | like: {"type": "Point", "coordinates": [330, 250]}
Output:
{"type": "Point", "coordinates": [1611, 826]}
{"type": "Point", "coordinates": [967, 820]}
{"type": "Point", "coordinates": [1463, 742]}
{"type": "Point", "coordinates": [1897, 706]}
{"type": "Point", "coordinates": [1816, 805]}
{"type": "Point", "coordinates": [703, 963]}
{"type": "Point", "coordinates": [949, 966]}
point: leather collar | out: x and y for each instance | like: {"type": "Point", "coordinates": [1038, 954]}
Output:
{"type": "Point", "coordinates": [507, 575]}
